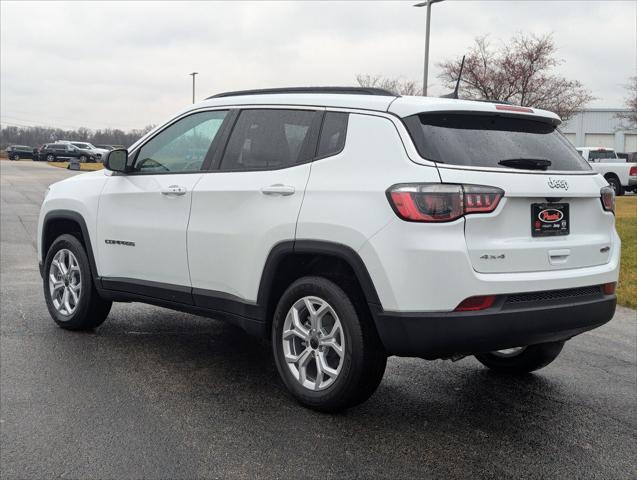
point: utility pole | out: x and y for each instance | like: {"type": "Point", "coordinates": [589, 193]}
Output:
{"type": "Point", "coordinates": [193, 84]}
{"type": "Point", "coordinates": [427, 4]}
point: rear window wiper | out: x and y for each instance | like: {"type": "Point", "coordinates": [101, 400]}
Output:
{"type": "Point", "coordinates": [526, 163]}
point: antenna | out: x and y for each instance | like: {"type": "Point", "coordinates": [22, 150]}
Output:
{"type": "Point", "coordinates": [454, 94]}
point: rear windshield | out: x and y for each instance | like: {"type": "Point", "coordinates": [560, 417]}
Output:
{"type": "Point", "coordinates": [601, 154]}
{"type": "Point", "coordinates": [486, 140]}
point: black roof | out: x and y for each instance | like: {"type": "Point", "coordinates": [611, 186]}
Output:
{"type": "Point", "coordinates": [343, 90]}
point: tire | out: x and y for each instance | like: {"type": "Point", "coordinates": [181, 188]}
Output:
{"type": "Point", "coordinates": [91, 310]}
{"type": "Point", "coordinates": [617, 186]}
{"type": "Point", "coordinates": [359, 369]}
{"type": "Point", "coordinates": [528, 359]}
{"type": "Point", "coordinates": [16, 157]}
{"type": "Point", "coordinates": [82, 158]}
{"type": "Point", "coordinates": [50, 158]}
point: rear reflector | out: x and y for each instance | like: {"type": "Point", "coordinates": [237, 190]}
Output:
{"type": "Point", "coordinates": [513, 108]}
{"type": "Point", "coordinates": [472, 304]}
{"type": "Point", "coordinates": [609, 288]}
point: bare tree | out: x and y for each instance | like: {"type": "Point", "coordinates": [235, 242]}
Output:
{"type": "Point", "coordinates": [520, 72]}
{"type": "Point", "coordinates": [400, 86]}
{"type": "Point", "coordinates": [630, 117]}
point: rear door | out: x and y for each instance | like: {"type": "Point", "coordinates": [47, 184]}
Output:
{"type": "Point", "coordinates": [549, 219]}
{"type": "Point", "coordinates": [250, 202]}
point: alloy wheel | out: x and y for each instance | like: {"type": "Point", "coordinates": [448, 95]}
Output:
{"type": "Point", "coordinates": [65, 282]}
{"type": "Point", "coordinates": [313, 343]}
{"type": "Point", "coordinates": [508, 352]}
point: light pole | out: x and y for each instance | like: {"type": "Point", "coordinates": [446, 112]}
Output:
{"type": "Point", "coordinates": [193, 84]}
{"type": "Point", "coordinates": [427, 4]}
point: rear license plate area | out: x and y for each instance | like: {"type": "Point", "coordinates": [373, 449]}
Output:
{"type": "Point", "coordinates": [549, 219]}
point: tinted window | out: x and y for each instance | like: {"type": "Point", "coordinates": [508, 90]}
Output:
{"type": "Point", "coordinates": [601, 154]}
{"type": "Point", "coordinates": [183, 146]}
{"type": "Point", "coordinates": [268, 139]}
{"type": "Point", "coordinates": [485, 140]}
{"type": "Point", "coordinates": [333, 134]}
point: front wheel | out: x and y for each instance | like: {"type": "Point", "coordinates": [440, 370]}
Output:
{"type": "Point", "coordinates": [521, 359]}
{"type": "Point", "coordinates": [328, 356]}
{"type": "Point", "coordinates": [50, 158]}
{"type": "Point", "coordinates": [70, 295]}
{"type": "Point", "coordinates": [82, 158]}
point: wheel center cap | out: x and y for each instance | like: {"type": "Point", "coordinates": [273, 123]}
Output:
{"type": "Point", "coordinates": [314, 342]}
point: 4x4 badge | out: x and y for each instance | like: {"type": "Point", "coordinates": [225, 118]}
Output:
{"type": "Point", "coordinates": [558, 183]}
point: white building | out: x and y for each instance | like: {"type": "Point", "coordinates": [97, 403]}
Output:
{"type": "Point", "coordinates": [600, 127]}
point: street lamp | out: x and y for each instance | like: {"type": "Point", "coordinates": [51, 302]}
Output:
{"type": "Point", "coordinates": [427, 4]}
{"type": "Point", "coordinates": [193, 84]}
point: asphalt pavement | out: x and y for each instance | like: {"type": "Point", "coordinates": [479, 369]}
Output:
{"type": "Point", "coordinates": [160, 394]}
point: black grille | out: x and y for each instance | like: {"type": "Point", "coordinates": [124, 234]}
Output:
{"type": "Point", "coordinates": [554, 294]}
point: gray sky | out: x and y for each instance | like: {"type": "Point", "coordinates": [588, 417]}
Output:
{"type": "Point", "coordinates": [125, 64]}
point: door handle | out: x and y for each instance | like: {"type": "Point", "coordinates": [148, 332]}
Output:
{"type": "Point", "coordinates": [278, 189]}
{"type": "Point", "coordinates": [174, 190]}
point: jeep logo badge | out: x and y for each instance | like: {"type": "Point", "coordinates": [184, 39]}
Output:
{"type": "Point", "coordinates": [558, 183]}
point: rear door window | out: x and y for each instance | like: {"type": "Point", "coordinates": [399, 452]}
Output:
{"type": "Point", "coordinates": [268, 139]}
{"type": "Point", "coordinates": [486, 140]}
{"type": "Point", "coordinates": [333, 134]}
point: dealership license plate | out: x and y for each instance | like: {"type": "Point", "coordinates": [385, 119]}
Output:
{"type": "Point", "coordinates": [549, 219]}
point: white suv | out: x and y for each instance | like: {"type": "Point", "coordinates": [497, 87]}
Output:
{"type": "Point", "coordinates": [346, 225]}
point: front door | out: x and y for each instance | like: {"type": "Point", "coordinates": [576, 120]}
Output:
{"type": "Point", "coordinates": [143, 215]}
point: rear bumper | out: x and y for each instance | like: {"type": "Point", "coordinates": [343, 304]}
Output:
{"type": "Point", "coordinates": [505, 325]}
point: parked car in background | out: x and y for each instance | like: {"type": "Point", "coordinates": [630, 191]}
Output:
{"type": "Point", "coordinates": [18, 152]}
{"type": "Point", "coordinates": [58, 152]}
{"type": "Point", "coordinates": [620, 174]}
{"type": "Point", "coordinates": [97, 152]}
{"type": "Point", "coordinates": [105, 147]}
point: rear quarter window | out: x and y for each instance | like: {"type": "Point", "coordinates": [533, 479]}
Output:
{"type": "Point", "coordinates": [485, 140]}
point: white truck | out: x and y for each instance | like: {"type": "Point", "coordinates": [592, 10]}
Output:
{"type": "Point", "coordinates": [621, 175]}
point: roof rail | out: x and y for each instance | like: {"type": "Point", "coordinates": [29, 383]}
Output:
{"type": "Point", "coordinates": [335, 90]}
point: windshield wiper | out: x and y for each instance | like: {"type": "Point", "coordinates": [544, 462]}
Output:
{"type": "Point", "coordinates": [526, 163]}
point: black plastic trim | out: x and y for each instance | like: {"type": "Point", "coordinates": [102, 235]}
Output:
{"type": "Point", "coordinates": [53, 215]}
{"type": "Point", "coordinates": [444, 334]}
{"type": "Point", "coordinates": [164, 291]}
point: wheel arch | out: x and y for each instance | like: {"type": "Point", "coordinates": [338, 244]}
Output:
{"type": "Point", "coordinates": [59, 222]}
{"type": "Point", "coordinates": [291, 260]}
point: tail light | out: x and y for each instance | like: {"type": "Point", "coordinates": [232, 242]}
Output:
{"type": "Point", "coordinates": [608, 198]}
{"type": "Point", "coordinates": [632, 172]}
{"type": "Point", "coordinates": [473, 304]}
{"type": "Point", "coordinates": [441, 202]}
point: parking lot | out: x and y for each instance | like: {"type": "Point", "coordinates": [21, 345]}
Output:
{"type": "Point", "coordinates": [159, 394]}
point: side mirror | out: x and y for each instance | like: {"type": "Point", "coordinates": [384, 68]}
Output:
{"type": "Point", "coordinates": [116, 160]}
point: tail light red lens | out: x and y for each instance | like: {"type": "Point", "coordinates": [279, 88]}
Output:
{"type": "Point", "coordinates": [441, 202]}
{"type": "Point", "coordinates": [472, 304]}
{"type": "Point", "coordinates": [609, 288]}
{"type": "Point", "coordinates": [608, 198]}
{"type": "Point", "coordinates": [632, 172]}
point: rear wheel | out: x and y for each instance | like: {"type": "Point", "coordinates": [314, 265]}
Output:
{"type": "Point", "coordinates": [521, 359]}
{"type": "Point", "coordinates": [70, 295]}
{"type": "Point", "coordinates": [616, 184]}
{"type": "Point", "coordinates": [328, 357]}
